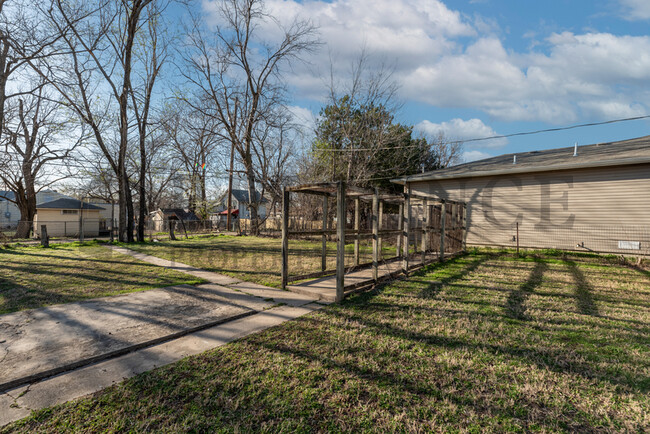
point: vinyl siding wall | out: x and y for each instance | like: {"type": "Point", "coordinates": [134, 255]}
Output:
{"type": "Point", "coordinates": [586, 209]}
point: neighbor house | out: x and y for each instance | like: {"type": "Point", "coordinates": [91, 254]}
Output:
{"type": "Point", "coordinates": [241, 203]}
{"type": "Point", "coordinates": [63, 218]}
{"type": "Point", "coordinates": [9, 213]}
{"type": "Point", "coordinates": [160, 216]}
{"type": "Point", "coordinates": [585, 198]}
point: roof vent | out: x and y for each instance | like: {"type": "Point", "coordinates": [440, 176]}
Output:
{"type": "Point", "coordinates": [575, 150]}
{"type": "Point", "coordinates": [514, 159]}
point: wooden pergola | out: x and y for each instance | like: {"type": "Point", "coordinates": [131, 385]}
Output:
{"type": "Point", "coordinates": [377, 198]}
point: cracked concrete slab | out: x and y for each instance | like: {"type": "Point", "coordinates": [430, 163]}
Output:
{"type": "Point", "coordinates": [46, 341]}
{"type": "Point", "coordinates": [17, 403]}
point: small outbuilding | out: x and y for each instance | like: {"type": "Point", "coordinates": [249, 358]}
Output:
{"type": "Point", "coordinates": [584, 198]}
{"type": "Point", "coordinates": [66, 217]}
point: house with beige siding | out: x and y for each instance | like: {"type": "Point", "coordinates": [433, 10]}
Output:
{"type": "Point", "coordinates": [65, 217]}
{"type": "Point", "coordinates": [583, 198]}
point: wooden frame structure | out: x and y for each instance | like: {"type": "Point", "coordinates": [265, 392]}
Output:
{"type": "Point", "coordinates": [407, 229]}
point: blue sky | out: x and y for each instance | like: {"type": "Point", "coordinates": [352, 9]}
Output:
{"type": "Point", "coordinates": [472, 68]}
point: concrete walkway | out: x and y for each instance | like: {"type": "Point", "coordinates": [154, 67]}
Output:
{"type": "Point", "coordinates": [95, 343]}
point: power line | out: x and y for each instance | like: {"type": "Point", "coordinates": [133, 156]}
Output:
{"type": "Point", "coordinates": [498, 136]}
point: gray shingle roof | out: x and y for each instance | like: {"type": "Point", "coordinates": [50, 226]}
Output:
{"type": "Point", "coordinates": [625, 152]}
{"type": "Point", "coordinates": [4, 195]}
{"type": "Point", "coordinates": [66, 203]}
{"type": "Point", "coordinates": [242, 196]}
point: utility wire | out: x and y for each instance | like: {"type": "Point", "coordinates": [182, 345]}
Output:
{"type": "Point", "coordinates": [498, 136]}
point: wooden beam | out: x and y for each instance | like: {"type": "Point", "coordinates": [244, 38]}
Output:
{"type": "Point", "coordinates": [340, 241]}
{"type": "Point", "coordinates": [285, 237]}
{"type": "Point", "coordinates": [443, 218]}
{"type": "Point", "coordinates": [357, 219]}
{"type": "Point", "coordinates": [324, 247]}
{"type": "Point", "coordinates": [375, 236]}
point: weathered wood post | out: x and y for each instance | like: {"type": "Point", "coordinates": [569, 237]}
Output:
{"type": "Point", "coordinates": [381, 219]}
{"type": "Point", "coordinates": [465, 226]}
{"type": "Point", "coordinates": [285, 237]}
{"type": "Point", "coordinates": [425, 231]}
{"type": "Point", "coordinates": [375, 235]}
{"type": "Point", "coordinates": [357, 219]}
{"type": "Point", "coordinates": [400, 227]}
{"type": "Point", "coordinates": [340, 241]}
{"type": "Point", "coordinates": [45, 240]}
{"type": "Point", "coordinates": [323, 264]}
{"type": "Point", "coordinates": [406, 232]}
{"type": "Point", "coordinates": [443, 220]}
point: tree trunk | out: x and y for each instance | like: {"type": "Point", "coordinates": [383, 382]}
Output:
{"type": "Point", "coordinates": [252, 197]}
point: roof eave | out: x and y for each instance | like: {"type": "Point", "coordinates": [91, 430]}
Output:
{"type": "Point", "coordinates": [530, 169]}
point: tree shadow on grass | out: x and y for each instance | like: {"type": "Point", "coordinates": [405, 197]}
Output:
{"type": "Point", "coordinates": [516, 306]}
{"type": "Point", "coordinates": [433, 288]}
{"type": "Point", "coordinates": [556, 360]}
{"type": "Point", "coordinates": [583, 290]}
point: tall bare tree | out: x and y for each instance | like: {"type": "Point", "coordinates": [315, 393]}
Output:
{"type": "Point", "coordinates": [236, 69]}
{"type": "Point", "coordinates": [39, 136]}
{"type": "Point", "coordinates": [194, 138]}
{"type": "Point", "coordinates": [94, 77]}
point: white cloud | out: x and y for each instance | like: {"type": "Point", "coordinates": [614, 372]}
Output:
{"type": "Point", "coordinates": [636, 9]}
{"type": "Point", "coordinates": [458, 129]}
{"type": "Point", "coordinates": [303, 117]}
{"type": "Point", "coordinates": [580, 71]}
{"type": "Point", "coordinates": [474, 155]}
{"type": "Point", "coordinates": [445, 59]}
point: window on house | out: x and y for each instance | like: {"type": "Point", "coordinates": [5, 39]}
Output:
{"type": "Point", "coordinates": [69, 211]}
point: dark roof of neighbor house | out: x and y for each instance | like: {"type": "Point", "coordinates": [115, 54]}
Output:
{"type": "Point", "coordinates": [66, 203]}
{"type": "Point", "coordinates": [179, 213]}
{"type": "Point", "coordinates": [625, 152]}
{"type": "Point", "coordinates": [243, 197]}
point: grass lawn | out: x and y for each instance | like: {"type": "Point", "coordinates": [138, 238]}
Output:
{"type": "Point", "coordinates": [34, 276]}
{"type": "Point", "coordinates": [485, 342]}
{"type": "Point", "coordinates": [254, 259]}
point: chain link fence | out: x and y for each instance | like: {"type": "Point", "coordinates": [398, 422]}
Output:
{"type": "Point", "coordinates": [606, 239]}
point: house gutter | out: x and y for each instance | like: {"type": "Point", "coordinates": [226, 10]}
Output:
{"type": "Point", "coordinates": [531, 169]}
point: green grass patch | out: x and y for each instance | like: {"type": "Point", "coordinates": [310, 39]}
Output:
{"type": "Point", "coordinates": [35, 276]}
{"type": "Point", "coordinates": [483, 343]}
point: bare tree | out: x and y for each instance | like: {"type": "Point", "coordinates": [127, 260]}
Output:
{"type": "Point", "coordinates": [237, 73]}
{"type": "Point", "coordinates": [357, 139]}
{"type": "Point", "coordinates": [32, 143]}
{"type": "Point", "coordinates": [448, 151]}
{"type": "Point", "coordinates": [194, 138]}
{"type": "Point", "coordinates": [152, 57]}
{"type": "Point", "coordinates": [98, 40]}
